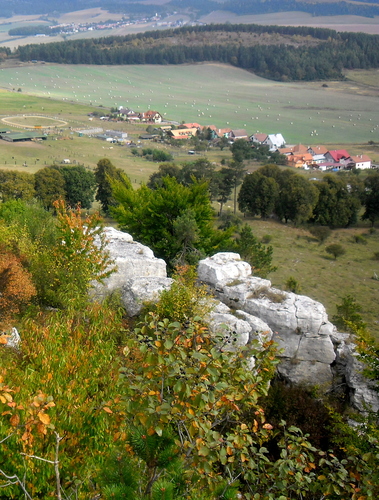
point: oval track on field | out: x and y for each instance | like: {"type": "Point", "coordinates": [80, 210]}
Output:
{"type": "Point", "coordinates": [34, 122]}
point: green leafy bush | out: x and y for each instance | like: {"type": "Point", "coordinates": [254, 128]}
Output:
{"type": "Point", "coordinates": [336, 250]}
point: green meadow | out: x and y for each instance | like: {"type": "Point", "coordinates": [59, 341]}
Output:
{"type": "Point", "coordinates": [297, 254]}
{"type": "Point", "coordinates": [344, 114]}
{"type": "Point", "coordinates": [211, 94]}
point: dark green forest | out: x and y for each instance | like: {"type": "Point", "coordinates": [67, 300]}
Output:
{"type": "Point", "coordinates": [318, 54]}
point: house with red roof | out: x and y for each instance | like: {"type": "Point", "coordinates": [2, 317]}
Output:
{"type": "Point", "coordinates": [340, 156]}
{"type": "Point", "coordinates": [151, 117]}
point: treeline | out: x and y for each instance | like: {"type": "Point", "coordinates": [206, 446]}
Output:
{"type": "Point", "coordinates": [32, 30]}
{"type": "Point", "coordinates": [326, 60]}
{"type": "Point", "coordinates": [334, 201]}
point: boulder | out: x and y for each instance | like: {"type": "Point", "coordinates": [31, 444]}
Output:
{"type": "Point", "coordinates": [137, 292]}
{"type": "Point", "coordinates": [298, 324]}
{"type": "Point", "coordinates": [223, 266]}
{"type": "Point", "coordinates": [132, 260]}
{"type": "Point", "coordinates": [348, 370]}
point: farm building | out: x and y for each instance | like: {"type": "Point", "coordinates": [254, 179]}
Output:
{"type": "Point", "coordinates": [118, 135]}
{"type": "Point", "coordinates": [22, 136]}
{"type": "Point", "coordinates": [90, 131]}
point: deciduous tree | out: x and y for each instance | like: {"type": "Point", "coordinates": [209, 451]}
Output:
{"type": "Point", "coordinates": [152, 216]}
{"type": "Point", "coordinates": [49, 186]}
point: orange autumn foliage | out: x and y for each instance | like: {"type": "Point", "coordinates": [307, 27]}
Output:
{"type": "Point", "coordinates": [16, 287]}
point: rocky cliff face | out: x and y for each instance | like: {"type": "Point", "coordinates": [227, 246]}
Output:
{"type": "Point", "coordinates": [311, 350]}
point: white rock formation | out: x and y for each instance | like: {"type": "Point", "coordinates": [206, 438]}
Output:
{"type": "Point", "coordinates": [139, 275]}
{"type": "Point", "coordinates": [311, 350]}
{"type": "Point", "coordinates": [136, 292]}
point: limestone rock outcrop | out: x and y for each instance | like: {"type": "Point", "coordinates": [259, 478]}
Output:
{"type": "Point", "coordinates": [311, 351]}
{"type": "Point", "coordinates": [139, 275]}
{"type": "Point", "coordinates": [300, 324]}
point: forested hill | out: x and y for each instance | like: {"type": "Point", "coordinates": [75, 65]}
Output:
{"type": "Point", "coordinates": [275, 52]}
{"type": "Point", "coordinates": [368, 8]}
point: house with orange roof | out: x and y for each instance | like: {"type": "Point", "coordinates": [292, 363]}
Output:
{"type": "Point", "coordinates": [182, 133]}
{"type": "Point", "coordinates": [361, 161]}
{"type": "Point", "coordinates": [191, 125]}
{"type": "Point", "coordinates": [224, 132]}
{"type": "Point", "coordinates": [297, 149]}
{"type": "Point", "coordinates": [317, 150]}
{"type": "Point", "coordinates": [297, 160]}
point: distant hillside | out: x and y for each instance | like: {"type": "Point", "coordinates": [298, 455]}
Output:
{"type": "Point", "coordinates": [195, 8]}
{"type": "Point", "coordinates": [275, 52]}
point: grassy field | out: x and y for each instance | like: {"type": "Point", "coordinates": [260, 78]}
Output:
{"type": "Point", "coordinates": [298, 254]}
{"type": "Point", "coordinates": [64, 142]}
{"type": "Point", "coordinates": [342, 113]}
{"type": "Point", "coordinates": [219, 94]}
{"type": "Point", "coordinates": [338, 23]}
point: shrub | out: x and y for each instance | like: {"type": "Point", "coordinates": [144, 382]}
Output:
{"type": "Point", "coordinates": [348, 313]}
{"type": "Point", "coordinates": [376, 256]}
{"type": "Point", "coordinates": [265, 292]}
{"type": "Point", "coordinates": [292, 285]}
{"type": "Point", "coordinates": [321, 233]}
{"type": "Point", "coordinates": [266, 238]}
{"type": "Point", "coordinates": [16, 287]}
{"type": "Point", "coordinates": [185, 299]}
{"type": "Point", "coordinates": [359, 238]}
{"type": "Point", "coordinates": [336, 250]}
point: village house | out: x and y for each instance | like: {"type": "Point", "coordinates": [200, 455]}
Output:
{"type": "Point", "coordinates": [258, 138]}
{"type": "Point", "coordinates": [128, 114]}
{"type": "Point", "coordinates": [151, 117]}
{"type": "Point", "coordinates": [361, 161]}
{"type": "Point", "coordinates": [298, 149]}
{"type": "Point", "coordinates": [182, 133]}
{"type": "Point", "coordinates": [224, 132]}
{"type": "Point", "coordinates": [237, 134]}
{"type": "Point", "coordinates": [274, 141]}
{"type": "Point", "coordinates": [338, 156]}
{"type": "Point", "coordinates": [191, 125]}
{"type": "Point", "coordinates": [300, 160]}
{"type": "Point", "coordinates": [317, 150]}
